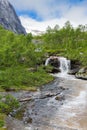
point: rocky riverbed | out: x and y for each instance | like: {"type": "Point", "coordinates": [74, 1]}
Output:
{"type": "Point", "coordinates": [60, 105]}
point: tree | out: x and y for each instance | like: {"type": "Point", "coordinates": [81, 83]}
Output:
{"type": "Point", "coordinates": [48, 29]}
{"type": "Point", "coordinates": [68, 25]}
{"type": "Point", "coordinates": [56, 27]}
{"type": "Point", "coordinates": [29, 37]}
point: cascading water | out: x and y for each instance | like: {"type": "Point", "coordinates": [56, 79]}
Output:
{"type": "Point", "coordinates": [64, 65]}
{"type": "Point", "coordinates": [47, 61]}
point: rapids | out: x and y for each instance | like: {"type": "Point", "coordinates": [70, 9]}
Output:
{"type": "Point", "coordinates": [59, 105]}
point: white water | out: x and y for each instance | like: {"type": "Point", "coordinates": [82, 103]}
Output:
{"type": "Point", "coordinates": [73, 113]}
{"type": "Point", "coordinates": [64, 69]}
{"type": "Point", "coordinates": [64, 65]}
{"type": "Point", "coordinates": [47, 61]}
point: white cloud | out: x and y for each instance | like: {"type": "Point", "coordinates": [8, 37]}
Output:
{"type": "Point", "coordinates": [31, 25]}
{"type": "Point", "coordinates": [46, 9]}
{"type": "Point", "coordinates": [77, 14]}
{"type": "Point", "coordinates": [49, 11]}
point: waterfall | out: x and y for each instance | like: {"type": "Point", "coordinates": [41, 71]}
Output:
{"type": "Point", "coordinates": [64, 65]}
{"type": "Point", "coordinates": [47, 61]}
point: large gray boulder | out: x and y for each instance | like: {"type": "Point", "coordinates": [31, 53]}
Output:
{"type": "Point", "coordinates": [9, 19]}
{"type": "Point", "coordinates": [82, 73]}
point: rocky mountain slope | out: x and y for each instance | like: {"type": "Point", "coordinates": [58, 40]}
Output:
{"type": "Point", "coordinates": [9, 19]}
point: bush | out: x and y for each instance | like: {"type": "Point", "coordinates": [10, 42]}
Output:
{"type": "Point", "coordinates": [8, 104]}
{"type": "Point", "coordinates": [1, 123]}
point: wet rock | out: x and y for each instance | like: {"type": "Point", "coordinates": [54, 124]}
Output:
{"type": "Point", "coordinates": [9, 89]}
{"type": "Point", "coordinates": [62, 88]}
{"type": "Point", "coordinates": [81, 76]}
{"type": "Point", "coordinates": [75, 66]}
{"type": "Point", "coordinates": [82, 73]}
{"type": "Point", "coordinates": [25, 99]}
{"type": "Point", "coordinates": [73, 71]}
{"type": "Point", "coordinates": [57, 98]}
{"type": "Point", "coordinates": [60, 98]}
{"type": "Point", "coordinates": [82, 70]}
{"type": "Point", "coordinates": [55, 70]}
{"type": "Point", "coordinates": [29, 120]}
{"type": "Point", "coordinates": [51, 69]}
{"type": "Point", "coordinates": [48, 95]}
{"type": "Point", "coordinates": [55, 63]}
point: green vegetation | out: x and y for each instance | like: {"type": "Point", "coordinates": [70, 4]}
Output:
{"type": "Point", "coordinates": [7, 104]}
{"type": "Point", "coordinates": [22, 61]}
{"type": "Point", "coordinates": [18, 78]}
{"type": "Point", "coordinates": [67, 41]}
{"type": "Point", "coordinates": [2, 117]}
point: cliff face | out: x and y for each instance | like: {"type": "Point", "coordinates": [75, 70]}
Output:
{"type": "Point", "coordinates": [9, 19]}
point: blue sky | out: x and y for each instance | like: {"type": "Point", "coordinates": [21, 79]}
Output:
{"type": "Point", "coordinates": [38, 14]}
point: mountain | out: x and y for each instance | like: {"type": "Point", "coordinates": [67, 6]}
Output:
{"type": "Point", "coordinates": [9, 19]}
{"type": "Point", "coordinates": [37, 32]}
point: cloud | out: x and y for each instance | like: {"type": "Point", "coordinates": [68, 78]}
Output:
{"type": "Point", "coordinates": [51, 12]}
{"type": "Point", "coordinates": [32, 25]}
{"type": "Point", "coordinates": [78, 14]}
{"type": "Point", "coordinates": [46, 9]}
{"type": "Point", "coordinates": [49, 9]}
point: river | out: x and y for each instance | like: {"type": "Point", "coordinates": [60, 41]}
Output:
{"type": "Point", "coordinates": [60, 105]}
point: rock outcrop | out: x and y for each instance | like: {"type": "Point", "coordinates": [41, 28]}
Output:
{"type": "Point", "coordinates": [9, 19]}
{"type": "Point", "coordinates": [75, 66]}
{"type": "Point", "coordinates": [54, 62]}
{"type": "Point", "coordinates": [82, 73]}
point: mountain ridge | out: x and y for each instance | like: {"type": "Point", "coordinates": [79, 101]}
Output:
{"type": "Point", "coordinates": [9, 19]}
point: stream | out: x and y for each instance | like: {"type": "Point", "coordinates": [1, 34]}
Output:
{"type": "Point", "coordinates": [59, 105]}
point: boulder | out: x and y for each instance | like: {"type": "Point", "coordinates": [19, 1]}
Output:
{"type": "Point", "coordinates": [82, 73]}
{"type": "Point", "coordinates": [60, 98]}
{"type": "Point", "coordinates": [54, 61]}
{"type": "Point", "coordinates": [73, 71]}
{"type": "Point", "coordinates": [55, 70]}
{"type": "Point", "coordinates": [75, 66]}
{"type": "Point", "coordinates": [54, 64]}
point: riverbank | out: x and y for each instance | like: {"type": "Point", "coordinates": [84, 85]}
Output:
{"type": "Point", "coordinates": [53, 106]}
{"type": "Point", "coordinates": [60, 105]}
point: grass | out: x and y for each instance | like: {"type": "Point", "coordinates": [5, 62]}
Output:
{"type": "Point", "coordinates": [2, 123]}
{"type": "Point", "coordinates": [19, 78]}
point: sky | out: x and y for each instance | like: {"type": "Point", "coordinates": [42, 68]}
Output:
{"type": "Point", "coordinates": [39, 14]}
